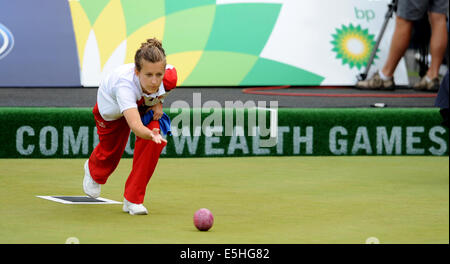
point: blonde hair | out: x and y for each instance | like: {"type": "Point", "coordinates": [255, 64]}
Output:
{"type": "Point", "coordinates": [151, 51]}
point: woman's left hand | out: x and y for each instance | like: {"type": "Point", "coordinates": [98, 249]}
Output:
{"type": "Point", "coordinates": [157, 111]}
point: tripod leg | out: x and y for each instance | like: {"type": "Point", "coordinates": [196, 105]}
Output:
{"type": "Point", "coordinates": [391, 9]}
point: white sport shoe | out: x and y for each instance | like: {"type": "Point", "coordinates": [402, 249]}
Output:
{"type": "Point", "coordinates": [134, 209]}
{"type": "Point", "coordinates": [90, 187]}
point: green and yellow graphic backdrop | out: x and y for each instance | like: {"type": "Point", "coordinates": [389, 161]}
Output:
{"type": "Point", "coordinates": [210, 44]}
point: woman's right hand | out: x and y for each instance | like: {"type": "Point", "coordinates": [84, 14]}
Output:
{"type": "Point", "coordinates": [135, 123]}
{"type": "Point", "coordinates": [156, 136]}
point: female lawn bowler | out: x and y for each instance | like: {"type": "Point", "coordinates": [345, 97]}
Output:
{"type": "Point", "coordinates": [124, 96]}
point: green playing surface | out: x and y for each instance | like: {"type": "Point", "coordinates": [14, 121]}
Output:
{"type": "Point", "coordinates": [254, 200]}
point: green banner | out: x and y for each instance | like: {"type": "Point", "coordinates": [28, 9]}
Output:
{"type": "Point", "coordinates": [215, 132]}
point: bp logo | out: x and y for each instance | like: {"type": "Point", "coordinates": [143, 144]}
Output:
{"type": "Point", "coordinates": [6, 41]}
{"type": "Point", "coordinates": [353, 45]}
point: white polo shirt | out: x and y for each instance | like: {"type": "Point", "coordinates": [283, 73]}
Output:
{"type": "Point", "coordinates": [121, 90]}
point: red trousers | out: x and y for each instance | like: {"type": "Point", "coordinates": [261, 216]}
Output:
{"type": "Point", "coordinates": [113, 137]}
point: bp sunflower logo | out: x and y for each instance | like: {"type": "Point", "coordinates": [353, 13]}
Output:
{"type": "Point", "coordinates": [353, 45]}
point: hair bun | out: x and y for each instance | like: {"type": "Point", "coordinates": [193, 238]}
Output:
{"type": "Point", "coordinates": [151, 51]}
{"type": "Point", "coordinates": [153, 42]}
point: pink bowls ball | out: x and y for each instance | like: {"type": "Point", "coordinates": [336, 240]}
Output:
{"type": "Point", "coordinates": [203, 219]}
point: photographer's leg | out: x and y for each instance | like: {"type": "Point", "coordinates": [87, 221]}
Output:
{"type": "Point", "coordinates": [399, 44]}
{"type": "Point", "coordinates": [438, 42]}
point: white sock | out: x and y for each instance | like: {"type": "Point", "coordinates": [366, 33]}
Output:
{"type": "Point", "coordinates": [383, 77]}
{"type": "Point", "coordinates": [427, 78]}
